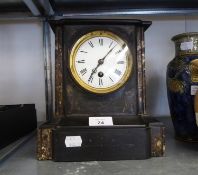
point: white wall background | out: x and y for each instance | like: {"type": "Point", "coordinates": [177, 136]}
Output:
{"type": "Point", "coordinates": [21, 65]}
{"type": "Point", "coordinates": [21, 61]}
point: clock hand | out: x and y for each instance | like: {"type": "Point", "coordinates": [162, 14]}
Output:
{"type": "Point", "coordinates": [100, 62]}
{"type": "Point", "coordinates": [93, 72]}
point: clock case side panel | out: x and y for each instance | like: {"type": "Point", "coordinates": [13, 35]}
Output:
{"type": "Point", "coordinates": [59, 98]}
{"type": "Point", "coordinates": [79, 102]}
{"type": "Point", "coordinates": [141, 80]}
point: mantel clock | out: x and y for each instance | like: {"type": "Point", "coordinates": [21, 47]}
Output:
{"type": "Point", "coordinates": [100, 73]}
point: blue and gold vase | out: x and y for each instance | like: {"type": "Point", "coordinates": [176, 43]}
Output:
{"type": "Point", "coordinates": [182, 85]}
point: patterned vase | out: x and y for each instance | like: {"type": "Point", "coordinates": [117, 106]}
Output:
{"type": "Point", "coordinates": [182, 85]}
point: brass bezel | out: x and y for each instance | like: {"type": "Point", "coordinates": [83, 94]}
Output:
{"type": "Point", "coordinates": [75, 75]}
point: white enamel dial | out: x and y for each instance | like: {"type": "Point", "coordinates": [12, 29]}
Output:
{"type": "Point", "coordinates": [100, 62]}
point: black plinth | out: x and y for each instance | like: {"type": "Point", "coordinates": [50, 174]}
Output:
{"type": "Point", "coordinates": [129, 138]}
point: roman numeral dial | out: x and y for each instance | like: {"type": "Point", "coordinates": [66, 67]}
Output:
{"type": "Point", "coordinates": [100, 62]}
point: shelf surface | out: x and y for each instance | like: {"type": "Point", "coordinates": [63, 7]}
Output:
{"type": "Point", "coordinates": [180, 159]}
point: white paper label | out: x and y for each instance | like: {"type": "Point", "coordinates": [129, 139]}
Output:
{"type": "Point", "coordinates": [73, 141]}
{"type": "Point", "coordinates": [100, 121]}
{"type": "Point", "coordinates": [194, 89]}
{"type": "Point", "coordinates": [186, 45]}
{"type": "Point", "coordinates": [196, 115]}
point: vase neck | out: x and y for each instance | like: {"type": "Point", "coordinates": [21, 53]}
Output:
{"type": "Point", "coordinates": [186, 44]}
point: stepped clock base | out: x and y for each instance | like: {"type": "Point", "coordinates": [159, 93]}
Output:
{"type": "Point", "coordinates": [128, 139]}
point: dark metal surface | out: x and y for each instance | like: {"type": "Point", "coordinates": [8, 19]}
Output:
{"type": "Point", "coordinates": [25, 8]}
{"type": "Point", "coordinates": [48, 70]}
{"type": "Point", "coordinates": [97, 8]}
{"type": "Point", "coordinates": [125, 13]}
{"type": "Point", "coordinates": [76, 5]}
{"type": "Point", "coordinates": [46, 5]}
{"type": "Point", "coordinates": [33, 8]}
{"type": "Point", "coordinates": [91, 8]}
{"type": "Point", "coordinates": [19, 9]}
{"type": "Point", "coordinates": [7, 6]}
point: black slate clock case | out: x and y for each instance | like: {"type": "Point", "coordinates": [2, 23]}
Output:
{"type": "Point", "coordinates": [133, 136]}
{"type": "Point", "coordinates": [79, 102]}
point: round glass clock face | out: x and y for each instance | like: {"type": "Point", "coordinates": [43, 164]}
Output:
{"type": "Point", "coordinates": [100, 62]}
